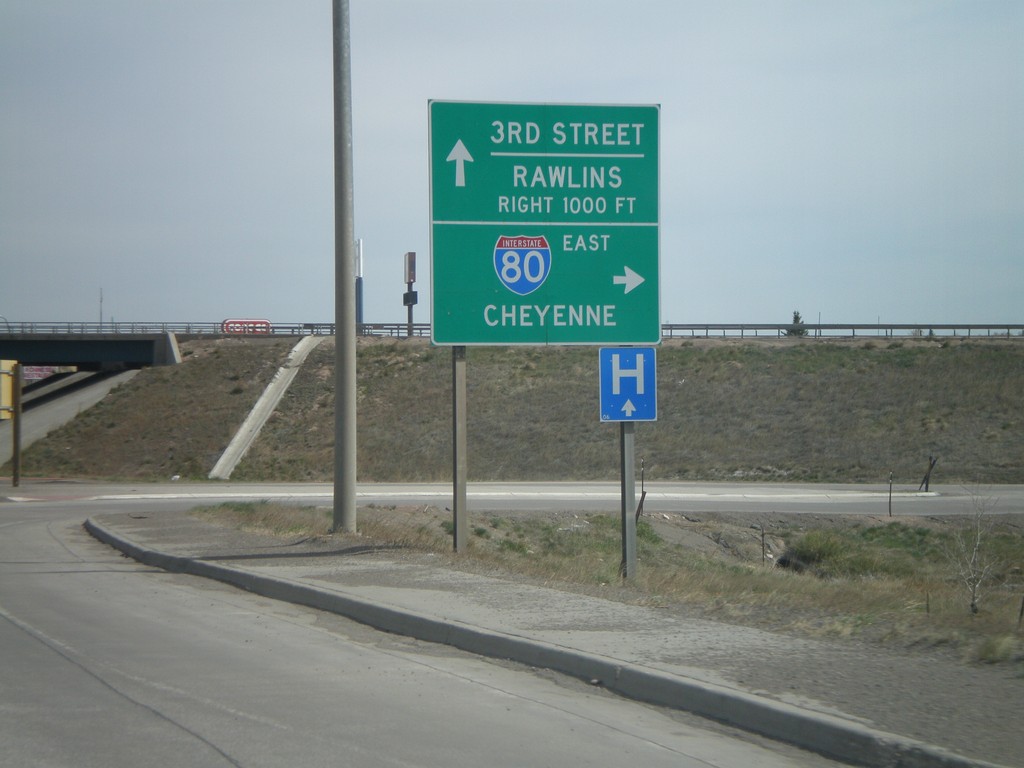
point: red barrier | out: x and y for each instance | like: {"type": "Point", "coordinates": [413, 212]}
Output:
{"type": "Point", "coordinates": [246, 326]}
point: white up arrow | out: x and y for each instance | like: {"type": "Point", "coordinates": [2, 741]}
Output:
{"type": "Point", "coordinates": [630, 279]}
{"type": "Point", "coordinates": [628, 408]}
{"type": "Point", "coordinates": [461, 156]}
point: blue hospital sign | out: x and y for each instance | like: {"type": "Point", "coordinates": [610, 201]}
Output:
{"type": "Point", "coordinates": [629, 384]}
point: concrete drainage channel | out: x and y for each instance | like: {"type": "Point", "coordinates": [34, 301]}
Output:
{"type": "Point", "coordinates": [829, 736]}
{"type": "Point", "coordinates": [264, 407]}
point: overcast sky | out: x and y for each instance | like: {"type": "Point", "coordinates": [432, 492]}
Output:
{"type": "Point", "coordinates": [859, 160]}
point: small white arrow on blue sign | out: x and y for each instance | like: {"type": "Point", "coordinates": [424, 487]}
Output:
{"type": "Point", "coordinates": [629, 383]}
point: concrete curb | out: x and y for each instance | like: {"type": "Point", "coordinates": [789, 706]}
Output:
{"type": "Point", "coordinates": [827, 735]}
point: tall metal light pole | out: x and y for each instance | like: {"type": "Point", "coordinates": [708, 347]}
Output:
{"type": "Point", "coordinates": [344, 282]}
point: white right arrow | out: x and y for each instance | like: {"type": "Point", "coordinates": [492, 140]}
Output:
{"type": "Point", "coordinates": [461, 156]}
{"type": "Point", "coordinates": [628, 408]}
{"type": "Point", "coordinates": [630, 279]}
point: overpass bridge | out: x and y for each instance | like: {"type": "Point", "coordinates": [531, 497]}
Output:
{"type": "Point", "coordinates": [91, 351]}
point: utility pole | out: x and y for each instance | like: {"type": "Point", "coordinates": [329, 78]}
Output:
{"type": "Point", "coordinates": [344, 518]}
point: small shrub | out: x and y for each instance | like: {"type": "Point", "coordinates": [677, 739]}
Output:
{"type": "Point", "coordinates": [796, 329]}
{"type": "Point", "coordinates": [973, 560]}
{"type": "Point", "coordinates": [1002, 648]}
{"type": "Point", "coordinates": [818, 547]}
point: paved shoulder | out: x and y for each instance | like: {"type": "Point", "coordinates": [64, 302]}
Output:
{"type": "Point", "coordinates": [791, 689]}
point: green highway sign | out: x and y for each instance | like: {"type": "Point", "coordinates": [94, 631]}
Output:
{"type": "Point", "coordinates": [544, 223]}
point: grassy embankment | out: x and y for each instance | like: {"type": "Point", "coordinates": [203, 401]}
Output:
{"type": "Point", "coordinates": [799, 411]}
{"type": "Point", "coordinates": [815, 412]}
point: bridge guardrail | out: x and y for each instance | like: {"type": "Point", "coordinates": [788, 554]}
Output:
{"type": "Point", "coordinates": [401, 330]}
{"type": "Point", "coordinates": [836, 330]}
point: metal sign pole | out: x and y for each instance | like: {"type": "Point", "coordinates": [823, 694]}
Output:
{"type": "Point", "coordinates": [459, 463]}
{"type": "Point", "coordinates": [627, 453]}
{"type": "Point", "coordinates": [410, 296]}
{"type": "Point", "coordinates": [408, 322]}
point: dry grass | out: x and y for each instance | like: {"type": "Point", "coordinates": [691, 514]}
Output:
{"type": "Point", "coordinates": [166, 421]}
{"type": "Point", "coordinates": [802, 411]}
{"type": "Point", "coordinates": [877, 581]}
{"type": "Point", "coordinates": [817, 411]}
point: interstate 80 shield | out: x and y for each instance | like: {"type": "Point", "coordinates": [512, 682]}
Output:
{"type": "Point", "coordinates": [522, 262]}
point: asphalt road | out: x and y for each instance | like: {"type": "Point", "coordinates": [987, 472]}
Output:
{"type": "Point", "coordinates": [683, 498]}
{"type": "Point", "coordinates": [40, 420]}
{"type": "Point", "coordinates": [110, 663]}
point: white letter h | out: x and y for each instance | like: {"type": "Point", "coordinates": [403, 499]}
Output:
{"type": "Point", "coordinates": [637, 373]}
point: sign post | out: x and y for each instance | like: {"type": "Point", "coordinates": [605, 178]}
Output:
{"type": "Point", "coordinates": [544, 229]}
{"type": "Point", "coordinates": [409, 299]}
{"type": "Point", "coordinates": [7, 389]}
{"type": "Point", "coordinates": [627, 482]}
{"type": "Point", "coordinates": [11, 383]}
{"type": "Point", "coordinates": [629, 393]}
{"type": "Point", "coordinates": [19, 385]}
{"type": "Point", "coordinates": [459, 463]}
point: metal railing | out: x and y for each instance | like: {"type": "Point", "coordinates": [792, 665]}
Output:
{"type": "Point", "coordinates": [202, 329]}
{"type": "Point", "coordinates": [668, 330]}
{"type": "Point", "coordinates": [836, 330]}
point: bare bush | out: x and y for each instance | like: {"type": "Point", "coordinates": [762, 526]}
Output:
{"type": "Point", "coordinates": [970, 555]}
